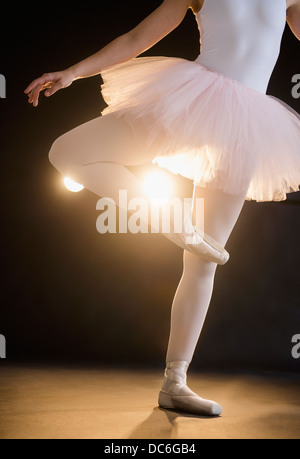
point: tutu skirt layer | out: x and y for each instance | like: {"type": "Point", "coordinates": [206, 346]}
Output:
{"type": "Point", "coordinates": [207, 127]}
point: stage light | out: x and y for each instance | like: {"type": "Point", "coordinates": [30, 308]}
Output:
{"type": "Point", "coordinates": [72, 186]}
{"type": "Point", "coordinates": [157, 186]}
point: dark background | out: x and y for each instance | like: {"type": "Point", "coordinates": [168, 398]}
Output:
{"type": "Point", "coordinates": [69, 294]}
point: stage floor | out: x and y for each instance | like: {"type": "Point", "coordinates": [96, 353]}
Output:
{"type": "Point", "coordinates": [89, 403]}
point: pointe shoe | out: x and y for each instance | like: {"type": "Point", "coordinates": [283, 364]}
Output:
{"type": "Point", "coordinates": [189, 402]}
{"type": "Point", "coordinates": [176, 395]}
{"type": "Point", "coordinates": [196, 241]}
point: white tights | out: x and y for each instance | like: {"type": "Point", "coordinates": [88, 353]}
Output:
{"type": "Point", "coordinates": [95, 154]}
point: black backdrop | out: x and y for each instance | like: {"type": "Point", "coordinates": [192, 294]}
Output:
{"type": "Point", "coordinates": [69, 294]}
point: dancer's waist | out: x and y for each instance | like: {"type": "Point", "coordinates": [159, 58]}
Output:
{"type": "Point", "coordinates": [254, 75]}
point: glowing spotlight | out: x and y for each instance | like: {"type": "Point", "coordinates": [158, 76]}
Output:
{"type": "Point", "coordinates": [157, 186]}
{"type": "Point", "coordinates": [72, 186]}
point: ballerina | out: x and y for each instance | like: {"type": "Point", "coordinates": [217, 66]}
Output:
{"type": "Point", "coordinates": [209, 120]}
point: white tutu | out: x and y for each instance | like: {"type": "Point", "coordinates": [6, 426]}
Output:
{"type": "Point", "coordinates": [207, 127]}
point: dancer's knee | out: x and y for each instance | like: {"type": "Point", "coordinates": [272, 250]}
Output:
{"type": "Point", "coordinates": [198, 268]}
{"type": "Point", "coordinates": [55, 154]}
{"type": "Point", "coordinates": [60, 156]}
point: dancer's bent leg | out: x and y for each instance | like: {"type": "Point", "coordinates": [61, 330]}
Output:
{"type": "Point", "coordinates": [96, 154]}
{"type": "Point", "coordinates": [191, 303]}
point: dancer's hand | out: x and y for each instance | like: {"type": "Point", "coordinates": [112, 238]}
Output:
{"type": "Point", "coordinates": [52, 82]}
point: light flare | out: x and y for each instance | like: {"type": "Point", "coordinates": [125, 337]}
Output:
{"type": "Point", "coordinates": [72, 186]}
{"type": "Point", "coordinates": [158, 187]}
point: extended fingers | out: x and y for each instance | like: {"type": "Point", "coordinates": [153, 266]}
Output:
{"type": "Point", "coordinates": [33, 96]}
{"type": "Point", "coordinates": [49, 82]}
{"type": "Point", "coordinates": [37, 82]}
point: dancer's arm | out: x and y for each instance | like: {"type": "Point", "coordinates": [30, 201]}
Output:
{"type": "Point", "coordinates": [293, 17]}
{"type": "Point", "coordinates": [150, 31]}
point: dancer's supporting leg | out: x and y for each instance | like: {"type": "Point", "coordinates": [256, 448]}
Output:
{"type": "Point", "coordinates": [191, 303]}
